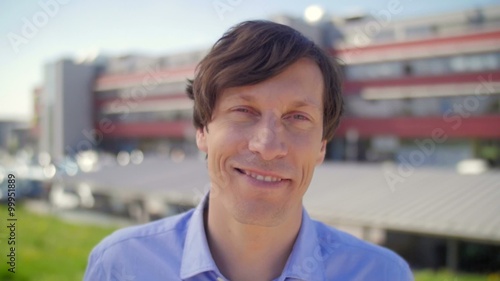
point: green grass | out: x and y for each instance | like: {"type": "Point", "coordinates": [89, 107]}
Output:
{"type": "Point", "coordinates": [427, 275]}
{"type": "Point", "coordinates": [49, 249]}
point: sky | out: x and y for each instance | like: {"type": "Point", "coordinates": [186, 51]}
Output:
{"type": "Point", "coordinates": [34, 33]}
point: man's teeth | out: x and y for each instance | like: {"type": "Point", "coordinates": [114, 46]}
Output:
{"type": "Point", "coordinates": [262, 178]}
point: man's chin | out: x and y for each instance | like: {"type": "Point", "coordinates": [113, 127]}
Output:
{"type": "Point", "coordinates": [259, 213]}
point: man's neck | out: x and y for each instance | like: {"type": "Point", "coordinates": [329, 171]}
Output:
{"type": "Point", "coordinates": [248, 252]}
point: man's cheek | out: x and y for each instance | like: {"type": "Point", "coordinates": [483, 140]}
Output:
{"type": "Point", "coordinates": [218, 171]}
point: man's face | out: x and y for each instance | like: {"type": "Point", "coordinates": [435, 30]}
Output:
{"type": "Point", "coordinates": [263, 144]}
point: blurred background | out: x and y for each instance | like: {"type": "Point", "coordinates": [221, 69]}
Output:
{"type": "Point", "coordinates": [97, 129]}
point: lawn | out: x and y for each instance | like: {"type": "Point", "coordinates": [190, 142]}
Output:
{"type": "Point", "coordinates": [447, 276]}
{"type": "Point", "coordinates": [49, 249]}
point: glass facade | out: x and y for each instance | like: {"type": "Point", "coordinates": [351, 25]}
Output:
{"type": "Point", "coordinates": [424, 67]}
{"type": "Point", "coordinates": [422, 107]}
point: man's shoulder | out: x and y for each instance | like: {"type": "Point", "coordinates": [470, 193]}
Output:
{"type": "Point", "coordinates": [173, 227]}
{"type": "Point", "coordinates": [333, 237]}
{"type": "Point", "coordinates": [151, 249]}
{"type": "Point", "coordinates": [337, 244]}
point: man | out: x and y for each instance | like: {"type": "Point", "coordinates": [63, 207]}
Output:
{"type": "Point", "coordinates": [266, 101]}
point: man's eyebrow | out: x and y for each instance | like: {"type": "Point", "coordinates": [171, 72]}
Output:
{"type": "Point", "coordinates": [297, 103]}
{"type": "Point", "coordinates": [306, 103]}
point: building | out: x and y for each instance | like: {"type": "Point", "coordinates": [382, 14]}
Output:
{"type": "Point", "coordinates": [141, 103]}
{"type": "Point", "coordinates": [66, 119]}
{"type": "Point", "coordinates": [423, 90]}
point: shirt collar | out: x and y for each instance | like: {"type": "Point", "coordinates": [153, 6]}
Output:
{"type": "Point", "coordinates": [196, 256]}
{"type": "Point", "coordinates": [305, 261]}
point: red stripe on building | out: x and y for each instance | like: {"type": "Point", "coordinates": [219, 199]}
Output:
{"type": "Point", "coordinates": [171, 129]}
{"type": "Point", "coordinates": [127, 100]}
{"type": "Point", "coordinates": [354, 87]}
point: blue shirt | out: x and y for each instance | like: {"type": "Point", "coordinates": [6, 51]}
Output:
{"type": "Point", "coordinates": [176, 248]}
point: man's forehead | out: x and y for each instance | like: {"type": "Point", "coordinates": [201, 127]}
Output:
{"type": "Point", "coordinates": [300, 84]}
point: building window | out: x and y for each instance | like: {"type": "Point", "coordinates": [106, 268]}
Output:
{"type": "Point", "coordinates": [374, 70]}
{"type": "Point", "coordinates": [431, 66]}
{"type": "Point", "coordinates": [424, 67]}
{"type": "Point", "coordinates": [475, 62]}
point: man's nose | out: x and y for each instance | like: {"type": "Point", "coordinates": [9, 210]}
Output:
{"type": "Point", "coordinates": [268, 139]}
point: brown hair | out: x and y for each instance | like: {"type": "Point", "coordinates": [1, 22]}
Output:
{"type": "Point", "coordinates": [254, 51]}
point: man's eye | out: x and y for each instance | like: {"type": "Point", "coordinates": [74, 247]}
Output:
{"type": "Point", "coordinates": [299, 117]}
{"type": "Point", "coordinates": [242, 109]}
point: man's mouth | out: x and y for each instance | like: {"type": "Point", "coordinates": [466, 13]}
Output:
{"type": "Point", "coordinates": [259, 176]}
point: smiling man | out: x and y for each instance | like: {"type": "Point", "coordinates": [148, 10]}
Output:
{"type": "Point", "coordinates": [266, 101]}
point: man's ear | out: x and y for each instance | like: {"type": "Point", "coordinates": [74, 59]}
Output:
{"type": "Point", "coordinates": [201, 139]}
{"type": "Point", "coordinates": [322, 152]}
